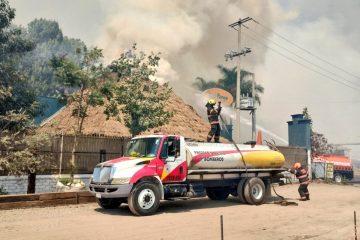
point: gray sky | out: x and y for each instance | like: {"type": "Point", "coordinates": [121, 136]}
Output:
{"type": "Point", "coordinates": [193, 37]}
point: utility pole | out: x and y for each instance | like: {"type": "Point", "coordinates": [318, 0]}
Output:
{"type": "Point", "coordinates": [237, 27]}
{"type": "Point", "coordinates": [253, 111]}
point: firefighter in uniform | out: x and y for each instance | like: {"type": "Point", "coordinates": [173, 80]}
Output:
{"type": "Point", "coordinates": [213, 116]}
{"type": "Point", "coordinates": [304, 181]}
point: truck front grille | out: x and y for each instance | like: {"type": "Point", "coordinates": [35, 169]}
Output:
{"type": "Point", "coordinates": [99, 189]}
{"type": "Point", "coordinates": [101, 174]}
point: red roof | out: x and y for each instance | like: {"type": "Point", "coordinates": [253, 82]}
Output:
{"type": "Point", "coordinates": [337, 160]}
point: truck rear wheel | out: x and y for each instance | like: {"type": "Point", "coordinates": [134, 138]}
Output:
{"type": "Point", "coordinates": [217, 193]}
{"type": "Point", "coordinates": [144, 199]}
{"type": "Point", "coordinates": [109, 203]}
{"type": "Point", "coordinates": [240, 190]}
{"type": "Point", "coordinates": [254, 191]}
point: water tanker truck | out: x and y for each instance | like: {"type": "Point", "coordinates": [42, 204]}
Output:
{"type": "Point", "coordinates": [168, 167]}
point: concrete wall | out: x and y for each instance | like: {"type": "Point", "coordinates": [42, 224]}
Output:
{"type": "Point", "coordinates": [294, 154]}
{"type": "Point", "coordinates": [44, 183]}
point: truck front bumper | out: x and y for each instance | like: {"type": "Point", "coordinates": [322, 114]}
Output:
{"type": "Point", "coordinates": [110, 191]}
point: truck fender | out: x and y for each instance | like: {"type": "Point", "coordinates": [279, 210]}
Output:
{"type": "Point", "coordinates": [156, 180]}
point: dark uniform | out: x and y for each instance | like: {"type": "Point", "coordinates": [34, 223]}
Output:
{"type": "Point", "coordinates": [213, 117]}
{"type": "Point", "coordinates": [304, 181]}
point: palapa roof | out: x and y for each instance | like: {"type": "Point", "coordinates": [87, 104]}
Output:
{"type": "Point", "coordinates": [186, 122]}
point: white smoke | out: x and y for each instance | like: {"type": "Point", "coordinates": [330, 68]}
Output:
{"type": "Point", "coordinates": [191, 35]}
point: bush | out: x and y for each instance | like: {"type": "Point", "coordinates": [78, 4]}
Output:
{"type": "Point", "coordinates": [66, 181]}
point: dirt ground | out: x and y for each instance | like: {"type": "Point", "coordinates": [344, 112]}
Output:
{"type": "Point", "coordinates": [328, 215]}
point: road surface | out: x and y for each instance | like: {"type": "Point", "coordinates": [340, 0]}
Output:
{"type": "Point", "coordinates": [328, 215]}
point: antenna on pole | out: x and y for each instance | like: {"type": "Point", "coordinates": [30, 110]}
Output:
{"type": "Point", "coordinates": [230, 55]}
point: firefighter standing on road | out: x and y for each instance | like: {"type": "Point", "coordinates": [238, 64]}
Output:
{"type": "Point", "coordinates": [213, 116]}
{"type": "Point", "coordinates": [304, 181]}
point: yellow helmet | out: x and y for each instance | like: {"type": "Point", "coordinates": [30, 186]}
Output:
{"type": "Point", "coordinates": [211, 102]}
{"type": "Point", "coordinates": [297, 165]}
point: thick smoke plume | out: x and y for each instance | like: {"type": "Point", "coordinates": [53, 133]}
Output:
{"type": "Point", "coordinates": [192, 36]}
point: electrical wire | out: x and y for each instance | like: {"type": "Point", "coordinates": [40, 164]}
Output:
{"type": "Point", "coordinates": [303, 49]}
{"type": "Point", "coordinates": [301, 64]}
{"type": "Point", "coordinates": [302, 58]}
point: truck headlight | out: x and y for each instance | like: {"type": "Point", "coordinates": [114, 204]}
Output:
{"type": "Point", "coordinates": [118, 181]}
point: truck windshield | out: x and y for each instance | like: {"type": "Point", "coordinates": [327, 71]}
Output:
{"type": "Point", "coordinates": [143, 147]}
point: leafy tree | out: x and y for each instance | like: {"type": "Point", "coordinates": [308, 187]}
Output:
{"type": "Point", "coordinates": [49, 41]}
{"type": "Point", "coordinates": [141, 100]}
{"type": "Point", "coordinates": [42, 30]}
{"type": "Point", "coordinates": [20, 148]}
{"type": "Point", "coordinates": [228, 83]}
{"type": "Point", "coordinates": [18, 141]}
{"type": "Point", "coordinates": [319, 143]}
{"type": "Point", "coordinates": [88, 78]}
{"type": "Point", "coordinates": [16, 94]}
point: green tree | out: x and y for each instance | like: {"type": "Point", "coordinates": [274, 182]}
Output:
{"type": "Point", "coordinates": [228, 83]}
{"type": "Point", "coordinates": [42, 30]}
{"type": "Point", "coordinates": [50, 42]}
{"type": "Point", "coordinates": [20, 148]}
{"type": "Point", "coordinates": [141, 100]}
{"type": "Point", "coordinates": [319, 143]}
{"type": "Point", "coordinates": [89, 79]}
{"type": "Point", "coordinates": [18, 141]}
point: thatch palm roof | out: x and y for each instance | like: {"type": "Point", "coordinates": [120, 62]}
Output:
{"type": "Point", "coordinates": [185, 122]}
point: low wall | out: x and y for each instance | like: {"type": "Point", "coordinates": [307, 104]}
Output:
{"type": "Point", "coordinates": [44, 199]}
{"type": "Point", "coordinates": [44, 183]}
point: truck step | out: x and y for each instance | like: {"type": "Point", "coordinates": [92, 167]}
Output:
{"type": "Point", "coordinates": [178, 198]}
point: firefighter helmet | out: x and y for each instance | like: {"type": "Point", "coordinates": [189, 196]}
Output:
{"type": "Point", "coordinates": [297, 165]}
{"type": "Point", "coordinates": [211, 102]}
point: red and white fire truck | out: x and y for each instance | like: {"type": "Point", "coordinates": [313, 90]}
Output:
{"type": "Point", "coordinates": [161, 167]}
{"type": "Point", "coordinates": [343, 169]}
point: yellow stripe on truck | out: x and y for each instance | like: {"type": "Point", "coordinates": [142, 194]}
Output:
{"type": "Point", "coordinates": [262, 159]}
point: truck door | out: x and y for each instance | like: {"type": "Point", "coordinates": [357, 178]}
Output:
{"type": "Point", "coordinates": [174, 163]}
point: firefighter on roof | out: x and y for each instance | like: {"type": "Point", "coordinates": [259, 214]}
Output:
{"type": "Point", "coordinates": [304, 181]}
{"type": "Point", "coordinates": [213, 116]}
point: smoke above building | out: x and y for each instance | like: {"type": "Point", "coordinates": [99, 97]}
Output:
{"type": "Point", "coordinates": [192, 36]}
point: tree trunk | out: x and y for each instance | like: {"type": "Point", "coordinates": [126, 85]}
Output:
{"type": "Point", "coordinates": [31, 182]}
{"type": "Point", "coordinates": [72, 163]}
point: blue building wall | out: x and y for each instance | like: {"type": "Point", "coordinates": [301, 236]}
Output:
{"type": "Point", "coordinates": [50, 106]}
{"type": "Point", "coordinates": [299, 130]}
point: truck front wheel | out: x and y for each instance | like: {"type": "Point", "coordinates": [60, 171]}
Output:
{"type": "Point", "coordinates": [109, 203]}
{"type": "Point", "coordinates": [254, 191]}
{"type": "Point", "coordinates": [144, 199]}
{"type": "Point", "coordinates": [217, 194]}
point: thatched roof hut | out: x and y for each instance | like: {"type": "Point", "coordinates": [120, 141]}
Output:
{"type": "Point", "coordinates": [185, 122]}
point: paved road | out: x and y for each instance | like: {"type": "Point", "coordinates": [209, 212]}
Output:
{"type": "Point", "coordinates": [328, 215]}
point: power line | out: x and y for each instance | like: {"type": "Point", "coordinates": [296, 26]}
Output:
{"type": "Point", "coordinates": [304, 59]}
{"type": "Point", "coordinates": [303, 65]}
{"type": "Point", "coordinates": [307, 51]}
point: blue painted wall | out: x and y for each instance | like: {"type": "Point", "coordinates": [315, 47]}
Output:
{"type": "Point", "coordinates": [299, 130]}
{"type": "Point", "coordinates": [50, 106]}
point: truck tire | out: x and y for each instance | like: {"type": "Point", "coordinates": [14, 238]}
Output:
{"type": "Point", "coordinates": [109, 203]}
{"type": "Point", "coordinates": [240, 190]}
{"type": "Point", "coordinates": [254, 191]}
{"type": "Point", "coordinates": [217, 193]}
{"type": "Point", "coordinates": [144, 199]}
